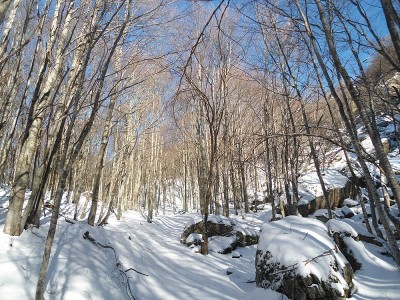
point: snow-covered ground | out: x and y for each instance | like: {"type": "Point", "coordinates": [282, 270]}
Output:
{"type": "Point", "coordinates": [81, 270]}
{"type": "Point", "coordinates": [168, 270]}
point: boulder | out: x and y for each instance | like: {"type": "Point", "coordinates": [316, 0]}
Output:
{"type": "Point", "coordinates": [216, 225]}
{"type": "Point", "coordinates": [341, 232]}
{"type": "Point", "coordinates": [350, 203]}
{"type": "Point", "coordinates": [224, 235]}
{"type": "Point", "coordinates": [323, 216]}
{"type": "Point", "coordinates": [297, 257]}
{"type": "Point", "coordinates": [222, 244]}
{"type": "Point", "coordinates": [194, 239]}
{"type": "Point", "coordinates": [306, 208]}
{"type": "Point", "coordinates": [246, 237]}
{"type": "Point", "coordinates": [347, 212]}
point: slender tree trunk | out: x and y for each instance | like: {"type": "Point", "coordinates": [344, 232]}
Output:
{"type": "Point", "coordinates": [348, 122]}
{"type": "Point", "coordinates": [100, 161]}
{"type": "Point", "coordinates": [12, 225]}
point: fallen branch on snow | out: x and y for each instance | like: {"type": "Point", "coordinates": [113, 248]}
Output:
{"type": "Point", "coordinates": [87, 236]}
{"type": "Point", "coordinates": [132, 269]}
{"type": "Point", "coordinates": [307, 261]}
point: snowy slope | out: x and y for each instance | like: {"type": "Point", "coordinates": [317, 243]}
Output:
{"type": "Point", "coordinates": [81, 270]}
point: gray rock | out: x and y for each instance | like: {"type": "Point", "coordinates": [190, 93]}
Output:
{"type": "Point", "coordinates": [285, 280]}
{"type": "Point", "coordinates": [246, 237]}
{"type": "Point", "coordinates": [216, 226]}
{"type": "Point", "coordinates": [307, 207]}
{"type": "Point", "coordinates": [347, 212]}
{"type": "Point", "coordinates": [224, 235]}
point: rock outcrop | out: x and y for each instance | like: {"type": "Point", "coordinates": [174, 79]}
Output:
{"type": "Point", "coordinates": [338, 186]}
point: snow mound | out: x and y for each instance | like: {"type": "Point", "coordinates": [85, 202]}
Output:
{"type": "Point", "coordinates": [341, 227]}
{"type": "Point", "coordinates": [350, 202]}
{"type": "Point", "coordinates": [332, 179]}
{"type": "Point", "coordinates": [299, 252]}
{"type": "Point", "coordinates": [222, 244]}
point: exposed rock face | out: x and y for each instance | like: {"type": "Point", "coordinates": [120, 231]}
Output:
{"type": "Point", "coordinates": [370, 240]}
{"type": "Point", "coordinates": [337, 195]}
{"type": "Point", "coordinates": [300, 265]}
{"type": "Point", "coordinates": [246, 237]}
{"type": "Point", "coordinates": [225, 236]}
{"type": "Point", "coordinates": [307, 207]}
{"type": "Point", "coordinates": [386, 145]}
{"type": "Point", "coordinates": [338, 186]}
{"type": "Point", "coordinates": [216, 225]}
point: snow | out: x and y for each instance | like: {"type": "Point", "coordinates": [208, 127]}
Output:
{"type": "Point", "coordinates": [346, 211]}
{"type": "Point", "coordinates": [379, 277]}
{"type": "Point", "coordinates": [220, 220]}
{"type": "Point", "coordinates": [193, 238]}
{"type": "Point", "coordinates": [340, 226]}
{"type": "Point", "coordinates": [220, 243]}
{"type": "Point", "coordinates": [332, 179]}
{"type": "Point", "coordinates": [303, 240]}
{"type": "Point", "coordinates": [211, 218]}
{"type": "Point", "coordinates": [81, 270]}
{"type": "Point", "coordinates": [350, 202]}
{"type": "Point", "coordinates": [245, 230]}
{"type": "Point", "coordinates": [305, 196]}
{"type": "Point", "coordinates": [323, 212]}
{"type": "Point", "coordinates": [368, 146]}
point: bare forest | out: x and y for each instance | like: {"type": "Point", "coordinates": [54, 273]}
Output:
{"type": "Point", "coordinates": [117, 106]}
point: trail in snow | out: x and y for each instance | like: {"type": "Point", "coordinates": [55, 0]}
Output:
{"type": "Point", "coordinates": [81, 270]}
{"type": "Point", "coordinates": [175, 272]}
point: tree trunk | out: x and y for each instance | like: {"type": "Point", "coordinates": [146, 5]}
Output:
{"type": "Point", "coordinates": [100, 161]}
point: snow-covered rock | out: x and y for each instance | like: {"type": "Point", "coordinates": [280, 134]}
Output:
{"type": "Point", "coordinates": [350, 202]}
{"type": "Point", "coordinates": [347, 212]}
{"type": "Point", "coordinates": [340, 232]}
{"type": "Point", "coordinates": [222, 244]}
{"type": "Point", "coordinates": [225, 236]}
{"type": "Point", "coordinates": [216, 226]}
{"type": "Point", "coordinates": [339, 187]}
{"type": "Point", "coordinates": [193, 239]}
{"type": "Point", "coordinates": [246, 236]}
{"type": "Point", "coordinates": [297, 257]}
